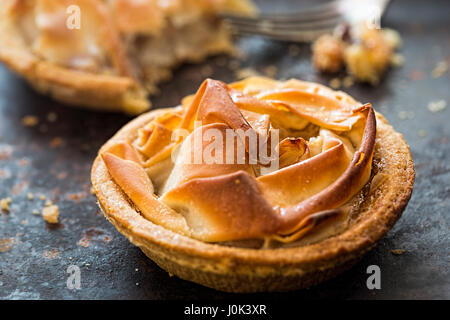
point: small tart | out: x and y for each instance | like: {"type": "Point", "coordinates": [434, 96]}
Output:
{"type": "Point", "coordinates": [330, 178]}
{"type": "Point", "coordinates": [120, 51]}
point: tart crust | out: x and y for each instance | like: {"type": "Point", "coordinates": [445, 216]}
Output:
{"type": "Point", "coordinates": [99, 92]}
{"type": "Point", "coordinates": [238, 269]}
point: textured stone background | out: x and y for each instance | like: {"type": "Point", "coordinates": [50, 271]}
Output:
{"type": "Point", "coordinates": [53, 158]}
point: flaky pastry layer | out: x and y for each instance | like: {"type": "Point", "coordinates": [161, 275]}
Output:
{"type": "Point", "coordinates": [317, 174]}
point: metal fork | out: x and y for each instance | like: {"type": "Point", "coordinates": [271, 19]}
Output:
{"type": "Point", "coordinates": [309, 24]}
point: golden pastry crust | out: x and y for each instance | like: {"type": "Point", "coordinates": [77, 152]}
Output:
{"type": "Point", "coordinates": [95, 66]}
{"type": "Point", "coordinates": [236, 268]}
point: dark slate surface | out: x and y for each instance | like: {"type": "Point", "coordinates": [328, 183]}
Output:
{"type": "Point", "coordinates": [54, 159]}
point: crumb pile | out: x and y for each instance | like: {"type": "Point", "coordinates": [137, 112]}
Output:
{"type": "Point", "coordinates": [365, 53]}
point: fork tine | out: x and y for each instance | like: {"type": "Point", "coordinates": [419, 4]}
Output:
{"type": "Point", "coordinates": [294, 25]}
{"type": "Point", "coordinates": [320, 12]}
{"type": "Point", "coordinates": [297, 36]}
{"type": "Point", "coordinates": [302, 26]}
{"type": "Point", "coordinates": [300, 33]}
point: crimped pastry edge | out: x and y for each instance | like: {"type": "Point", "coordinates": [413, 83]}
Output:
{"type": "Point", "coordinates": [250, 270]}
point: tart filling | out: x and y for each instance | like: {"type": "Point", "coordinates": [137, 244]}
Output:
{"type": "Point", "coordinates": [194, 170]}
{"type": "Point", "coordinates": [97, 46]}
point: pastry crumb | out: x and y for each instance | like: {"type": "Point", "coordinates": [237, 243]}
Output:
{"type": "Point", "coordinates": [270, 71]}
{"type": "Point", "coordinates": [335, 83]}
{"type": "Point", "coordinates": [398, 252]}
{"type": "Point", "coordinates": [397, 60]}
{"type": "Point", "coordinates": [365, 53]}
{"type": "Point", "coordinates": [392, 37]}
{"type": "Point", "coordinates": [30, 196]}
{"type": "Point", "coordinates": [328, 53]}
{"type": "Point", "coordinates": [6, 244]}
{"type": "Point", "coordinates": [36, 212]}
{"type": "Point", "coordinates": [440, 69]}
{"type": "Point", "coordinates": [368, 59]}
{"type": "Point", "coordinates": [51, 214]}
{"type": "Point", "coordinates": [422, 133]}
{"type": "Point", "coordinates": [30, 121]}
{"type": "Point", "coordinates": [348, 81]}
{"type": "Point", "coordinates": [246, 73]}
{"type": "Point", "coordinates": [51, 254]}
{"type": "Point", "coordinates": [4, 204]}
{"type": "Point", "coordinates": [48, 203]}
{"type": "Point", "coordinates": [406, 115]}
{"type": "Point", "coordinates": [437, 106]}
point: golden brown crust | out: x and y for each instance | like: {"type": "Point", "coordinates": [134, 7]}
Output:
{"type": "Point", "coordinates": [100, 92]}
{"type": "Point", "coordinates": [239, 269]}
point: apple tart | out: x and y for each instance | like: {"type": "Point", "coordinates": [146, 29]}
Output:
{"type": "Point", "coordinates": [258, 185]}
{"type": "Point", "coordinates": [109, 54]}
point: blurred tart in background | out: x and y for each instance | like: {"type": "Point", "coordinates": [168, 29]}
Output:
{"type": "Point", "coordinates": [109, 54]}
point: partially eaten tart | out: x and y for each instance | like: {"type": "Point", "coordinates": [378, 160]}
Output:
{"type": "Point", "coordinates": [109, 54]}
{"type": "Point", "coordinates": [258, 185]}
